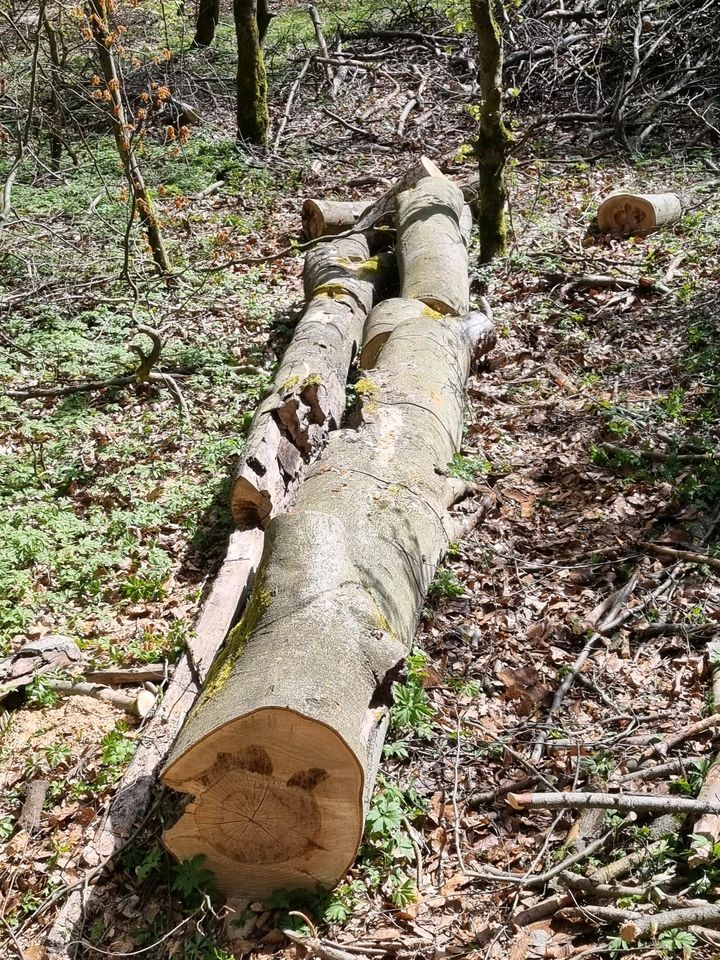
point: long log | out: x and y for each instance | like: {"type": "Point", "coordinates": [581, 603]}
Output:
{"type": "Point", "coordinates": [308, 396]}
{"type": "Point", "coordinates": [280, 752]}
{"type": "Point", "coordinates": [277, 751]}
{"type": "Point", "coordinates": [431, 251]}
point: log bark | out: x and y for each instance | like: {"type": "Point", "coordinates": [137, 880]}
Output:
{"type": "Point", "coordinates": [308, 396]}
{"type": "Point", "coordinates": [280, 752]}
{"type": "Point", "coordinates": [432, 256]}
{"type": "Point", "coordinates": [382, 321]}
{"type": "Point", "coordinates": [326, 218]}
{"type": "Point", "coordinates": [638, 213]}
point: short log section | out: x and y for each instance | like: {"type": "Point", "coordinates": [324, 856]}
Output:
{"type": "Point", "coordinates": [281, 750]}
{"type": "Point", "coordinates": [638, 213]}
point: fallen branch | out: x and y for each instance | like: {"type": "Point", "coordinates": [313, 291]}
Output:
{"type": "Point", "coordinates": [116, 676]}
{"type": "Point", "coordinates": [658, 455]}
{"type": "Point", "coordinates": [139, 704]}
{"type": "Point", "coordinates": [622, 802]}
{"type": "Point", "coordinates": [636, 927]}
{"type": "Point", "coordinates": [669, 743]}
{"type": "Point", "coordinates": [686, 556]}
{"type": "Point", "coordinates": [134, 791]}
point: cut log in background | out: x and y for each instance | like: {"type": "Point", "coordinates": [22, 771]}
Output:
{"type": "Point", "coordinates": [629, 213]}
{"type": "Point", "coordinates": [281, 751]}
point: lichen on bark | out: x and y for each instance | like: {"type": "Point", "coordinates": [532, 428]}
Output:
{"type": "Point", "coordinates": [494, 140]}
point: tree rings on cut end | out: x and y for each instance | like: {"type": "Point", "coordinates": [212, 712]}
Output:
{"type": "Point", "coordinates": [638, 213]}
{"type": "Point", "coordinates": [278, 804]}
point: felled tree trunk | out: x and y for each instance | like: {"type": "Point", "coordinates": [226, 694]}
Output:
{"type": "Point", "coordinates": [251, 85]}
{"type": "Point", "coordinates": [640, 213]}
{"type": "Point", "coordinates": [308, 396]}
{"type": "Point", "coordinates": [207, 19]}
{"type": "Point", "coordinates": [431, 251]}
{"type": "Point", "coordinates": [281, 750]}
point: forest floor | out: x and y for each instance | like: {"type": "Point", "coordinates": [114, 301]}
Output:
{"type": "Point", "coordinates": [592, 428]}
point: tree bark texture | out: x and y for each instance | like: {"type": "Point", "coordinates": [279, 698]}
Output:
{"type": "Point", "coordinates": [308, 396]}
{"type": "Point", "coordinates": [638, 213]}
{"type": "Point", "coordinates": [494, 139]}
{"type": "Point", "coordinates": [281, 750]}
{"type": "Point", "coordinates": [251, 85]}
{"type": "Point", "coordinates": [207, 19]}
{"type": "Point", "coordinates": [431, 251]}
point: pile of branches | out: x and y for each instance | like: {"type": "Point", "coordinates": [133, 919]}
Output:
{"type": "Point", "coordinates": [636, 71]}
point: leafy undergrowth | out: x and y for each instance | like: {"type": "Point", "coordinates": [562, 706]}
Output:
{"type": "Point", "coordinates": [592, 428]}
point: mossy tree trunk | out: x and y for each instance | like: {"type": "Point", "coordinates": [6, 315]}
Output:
{"type": "Point", "coordinates": [251, 87]}
{"type": "Point", "coordinates": [207, 19]}
{"type": "Point", "coordinates": [494, 139]}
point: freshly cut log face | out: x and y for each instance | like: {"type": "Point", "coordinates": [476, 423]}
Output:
{"type": "Point", "coordinates": [628, 213]}
{"type": "Point", "coordinates": [431, 250]}
{"type": "Point", "coordinates": [308, 395]}
{"type": "Point", "coordinates": [281, 750]}
{"type": "Point", "coordinates": [324, 218]}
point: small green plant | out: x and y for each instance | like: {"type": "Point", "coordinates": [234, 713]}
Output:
{"type": "Point", "coordinates": [467, 468]}
{"type": "Point", "coordinates": [396, 750]}
{"type": "Point", "coordinates": [117, 751]}
{"type": "Point", "coordinates": [191, 879]}
{"type": "Point", "coordinates": [617, 946]}
{"type": "Point", "coordinates": [411, 710]}
{"type": "Point", "coordinates": [39, 695]}
{"type": "Point", "coordinates": [445, 585]}
{"type": "Point", "coordinates": [6, 827]}
{"type": "Point", "coordinates": [599, 765]}
{"type": "Point", "coordinates": [463, 686]}
{"type": "Point", "coordinates": [677, 941]}
{"type": "Point", "coordinates": [689, 785]}
{"type": "Point", "coordinates": [401, 888]}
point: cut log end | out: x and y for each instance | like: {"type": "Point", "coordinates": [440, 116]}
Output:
{"type": "Point", "coordinates": [631, 213]}
{"type": "Point", "coordinates": [278, 804]}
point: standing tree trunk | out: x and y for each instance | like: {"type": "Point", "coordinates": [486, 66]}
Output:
{"type": "Point", "coordinates": [263, 16]}
{"type": "Point", "coordinates": [96, 12]}
{"type": "Point", "coordinates": [494, 139]}
{"type": "Point", "coordinates": [252, 109]}
{"type": "Point", "coordinates": [207, 19]}
{"type": "Point", "coordinates": [55, 104]}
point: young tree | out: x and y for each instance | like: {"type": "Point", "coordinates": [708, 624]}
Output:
{"type": "Point", "coordinates": [494, 139]}
{"type": "Point", "coordinates": [251, 86]}
{"type": "Point", "coordinates": [97, 16]}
